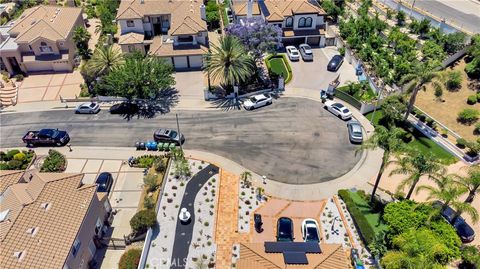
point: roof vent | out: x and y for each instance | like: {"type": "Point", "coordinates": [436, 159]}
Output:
{"type": "Point", "coordinates": [33, 21]}
{"type": "Point", "coordinates": [4, 215]}
{"type": "Point", "coordinates": [32, 231]}
{"type": "Point", "coordinates": [19, 255]}
{"type": "Point", "coordinates": [46, 206]}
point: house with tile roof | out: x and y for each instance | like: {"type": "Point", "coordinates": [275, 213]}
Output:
{"type": "Point", "coordinates": [40, 40]}
{"type": "Point", "coordinates": [301, 21]}
{"type": "Point", "coordinates": [50, 220]}
{"type": "Point", "coordinates": [175, 30]}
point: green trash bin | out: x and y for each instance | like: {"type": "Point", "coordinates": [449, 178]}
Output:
{"type": "Point", "coordinates": [160, 146]}
{"type": "Point", "coordinates": [171, 146]}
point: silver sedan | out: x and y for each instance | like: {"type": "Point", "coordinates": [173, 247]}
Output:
{"type": "Point", "coordinates": [87, 108]}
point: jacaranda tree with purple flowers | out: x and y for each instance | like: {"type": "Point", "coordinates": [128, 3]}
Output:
{"type": "Point", "coordinates": [257, 36]}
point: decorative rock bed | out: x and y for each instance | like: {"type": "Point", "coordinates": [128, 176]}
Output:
{"type": "Point", "coordinates": [248, 202]}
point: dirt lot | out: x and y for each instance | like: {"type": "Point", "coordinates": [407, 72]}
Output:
{"type": "Point", "coordinates": [446, 112]}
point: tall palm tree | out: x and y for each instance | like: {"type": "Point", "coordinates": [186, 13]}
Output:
{"type": "Point", "coordinates": [229, 62]}
{"type": "Point", "coordinates": [446, 189]}
{"type": "Point", "coordinates": [417, 80]}
{"type": "Point", "coordinates": [387, 139]}
{"type": "Point", "coordinates": [246, 178]}
{"type": "Point", "coordinates": [415, 164]}
{"type": "Point", "coordinates": [105, 58]}
{"type": "Point", "coordinates": [471, 182]}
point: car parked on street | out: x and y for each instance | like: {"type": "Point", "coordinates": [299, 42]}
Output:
{"type": "Point", "coordinates": [257, 101]}
{"type": "Point", "coordinates": [284, 229]}
{"type": "Point", "coordinates": [124, 108]}
{"type": "Point", "coordinates": [464, 231]}
{"type": "Point", "coordinates": [338, 110]}
{"type": "Point", "coordinates": [87, 108]}
{"type": "Point", "coordinates": [310, 230]}
{"type": "Point", "coordinates": [355, 133]}
{"type": "Point", "coordinates": [292, 53]}
{"type": "Point", "coordinates": [165, 135]}
{"type": "Point", "coordinates": [104, 182]}
{"type": "Point", "coordinates": [46, 137]}
{"type": "Point", "coordinates": [306, 52]}
{"type": "Point", "coordinates": [335, 63]}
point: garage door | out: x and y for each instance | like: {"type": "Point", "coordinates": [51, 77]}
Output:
{"type": "Point", "coordinates": [180, 62]}
{"type": "Point", "coordinates": [313, 41]}
{"type": "Point", "coordinates": [294, 41]}
{"type": "Point", "coordinates": [196, 61]}
{"type": "Point", "coordinates": [62, 66]}
{"type": "Point", "coordinates": [38, 66]}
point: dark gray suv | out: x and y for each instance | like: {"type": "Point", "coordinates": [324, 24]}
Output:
{"type": "Point", "coordinates": [165, 135]}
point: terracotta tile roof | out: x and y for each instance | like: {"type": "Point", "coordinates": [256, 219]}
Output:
{"type": "Point", "coordinates": [241, 9]}
{"type": "Point", "coordinates": [253, 256]}
{"type": "Point", "coordinates": [8, 178]}
{"type": "Point", "coordinates": [131, 38]}
{"type": "Point", "coordinates": [284, 8]}
{"type": "Point", "coordinates": [309, 32]}
{"type": "Point", "coordinates": [53, 203]}
{"type": "Point", "coordinates": [187, 27]}
{"type": "Point", "coordinates": [160, 48]}
{"type": "Point", "coordinates": [50, 22]}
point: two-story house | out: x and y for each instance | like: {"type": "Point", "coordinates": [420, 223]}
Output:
{"type": "Point", "coordinates": [40, 40]}
{"type": "Point", "coordinates": [302, 21]}
{"type": "Point", "coordinates": [50, 220]}
{"type": "Point", "coordinates": [175, 30]}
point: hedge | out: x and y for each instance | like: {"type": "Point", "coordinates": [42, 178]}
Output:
{"type": "Point", "coordinates": [365, 230]}
{"type": "Point", "coordinates": [143, 220]}
{"type": "Point", "coordinates": [348, 98]}
{"type": "Point", "coordinates": [130, 259]}
{"type": "Point", "coordinates": [285, 61]}
{"type": "Point", "coordinates": [55, 162]}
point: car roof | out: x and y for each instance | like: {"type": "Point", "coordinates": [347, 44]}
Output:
{"type": "Point", "coordinates": [258, 96]}
{"type": "Point", "coordinates": [103, 176]}
{"type": "Point", "coordinates": [290, 47]}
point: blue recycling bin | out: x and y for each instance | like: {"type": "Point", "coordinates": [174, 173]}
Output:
{"type": "Point", "coordinates": [151, 145]}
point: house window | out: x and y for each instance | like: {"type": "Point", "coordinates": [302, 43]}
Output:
{"type": "Point", "coordinates": [187, 38]}
{"type": "Point", "coordinates": [76, 247]}
{"type": "Point", "coordinates": [301, 22]}
{"type": "Point", "coordinates": [289, 22]}
{"type": "Point", "coordinates": [130, 23]}
{"type": "Point", "coordinates": [92, 248]}
{"type": "Point", "coordinates": [98, 226]}
{"type": "Point", "coordinates": [308, 22]}
{"type": "Point", "coordinates": [45, 48]}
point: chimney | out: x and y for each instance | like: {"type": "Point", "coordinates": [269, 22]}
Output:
{"type": "Point", "coordinates": [249, 8]}
{"type": "Point", "coordinates": [203, 13]}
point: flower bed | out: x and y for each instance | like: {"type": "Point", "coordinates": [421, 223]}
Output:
{"type": "Point", "coordinates": [277, 64]}
{"type": "Point", "coordinates": [54, 162]}
{"type": "Point", "coordinates": [16, 160]}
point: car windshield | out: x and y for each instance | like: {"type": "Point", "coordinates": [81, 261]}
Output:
{"type": "Point", "coordinates": [253, 99]}
{"type": "Point", "coordinates": [48, 132]}
{"type": "Point", "coordinates": [294, 52]}
{"type": "Point", "coordinates": [92, 105]}
{"type": "Point", "coordinates": [172, 134]}
{"type": "Point", "coordinates": [312, 234]}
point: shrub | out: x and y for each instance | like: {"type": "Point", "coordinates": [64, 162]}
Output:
{"type": "Point", "coordinates": [341, 51]}
{"type": "Point", "coordinates": [130, 259]}
{"type": "Point", "coordinates": [478, 96]}
{"type": "Point", "coordinates": [143, 220]}
{"type": "Point", "coordinates": [4, 166]}
{"type": "Point", "coordinates": [405, 215]}
{"type": "Point", "coordinates": [407, 137]}
{"type": "Point", "coordinates": [454, 80]}
{"type": "Point", "coordinates": [470, 257]}
{"type": "Point", "coordinates": [438, 92]}
{"type": "Point", "coordinates": [19, 77]}
{"type": "Point", "coordinates": [3, 156]}
{"type": "Point", "coordinates": [472, 99]}
{"type": "Point", "coordinates": [55, 162]}
{"type": "Point", "coordinates": [461, 143]}
{"type": "Point", "coordinates": [468, 116]}
{"type": "Point", "coordinates": [11, 153]}
{"type": "Point", "coordinates": [422, 117]}
{"type": "Point", "coordinates": [148, 202]}
{"type": "Point", "coordinates": [473, 148]}
{"type": "Point", "coordinates": [14, 165]}
{"type": "Point", "coordinates": [366, 231]}
{"type": "Point", "coordinates": [20, 157]}
{"type": "Point", "coordinates": [160, 166]}
{"type": "Point", "coordinates": [146, 161]}
{"type": "Point", "coordinates": [151, 182]}
{"type": "Point", "coordinates": [429, 122]}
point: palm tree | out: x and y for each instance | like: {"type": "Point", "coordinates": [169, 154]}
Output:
{"type": "Point", "coordinates": [471, 182]}
{"type": "Point", "coordinates": [417, 80]}
{"type": "Point", "coordinates": [229, 62]}
{"type": "Point", "coordinates": [415, 164]}
{"type": "Point", "coordinates": [387, 139]}
{"type": "Point", "coordinates": [446, 189]}
{"type": "Point", "coordinates": [105, 58]}
{"type": "Point", "coordinates": [246, 178]}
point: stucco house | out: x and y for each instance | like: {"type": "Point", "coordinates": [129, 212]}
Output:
{"type": "Point", "coordinates": [175, 30]}
{"type": "Point", "coordinates": [302, 21]}
{"type": "Point", "coordinates": [40, 40]}
{"type": "Point", "coordinates": [50, 220]}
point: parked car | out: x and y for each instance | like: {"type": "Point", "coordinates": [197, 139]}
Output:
{"type": "Point", "coordinates": [124, 108]}
{"type": "Point", "coordinates": [284, 229]}
{"type": "Point", "coordinates": [335, 63]}
{"type": "Point", "coordinates": [87, 108]}
{"type": "Point", "coordinates": [292, 53]}
{"type": "Point", "coordinates": [168, 136]}
{"type": "Point", "coordinates": [464, 231]}
{"type": "Point", "coordinates": [46, 137]}
{"type": "Point", "coordinates": [338, 110]}
{"type": "Point", "coordinates": [257, 101]}
{"type": "Point", "coordinates": [306, 52]}
{"type": "Point", "coordinates": [310, 230]}
{"type": "Point", "coordinates": [355, 133]}
{"type": "Point", "coordinates": [104, 182]}
{"type": "Point", "coordinates": [355, 259]}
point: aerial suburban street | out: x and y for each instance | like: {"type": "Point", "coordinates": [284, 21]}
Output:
{"type": "Point", "coordinates": [293, 141]}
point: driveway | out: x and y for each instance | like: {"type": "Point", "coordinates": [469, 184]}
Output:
{"type": "Point", "coordinates": [190, 86]}
{"type": "Point", "coordinates": [314, 75]}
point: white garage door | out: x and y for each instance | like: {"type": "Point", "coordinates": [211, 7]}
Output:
{"type": "Point", "coordinates": [38, 66]}
{"type": "Point", "coordinates": [181, 62]}
{"type": "Point", "coordinates": [196, 61]}
{"type": "Point", "coordinates": [62, 66]}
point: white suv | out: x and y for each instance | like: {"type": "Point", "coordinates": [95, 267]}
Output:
{"type": "Point", "coordinates": [257, 101]}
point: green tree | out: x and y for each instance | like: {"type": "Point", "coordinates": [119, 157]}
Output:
{"type": "Point", "coordinates": [471, 182]}
{"type": "Point", "coordinates": [143, 78]}
{"type": "Point", "coordinates": [415, 164]}
{"type": "Point", "coordinates": [431, 50]}
{"type": "Point", "coordinates": [228, 62]}
{"type": "Point", "coordinates": [387, 139]}
{"type": "Point", "coordinates": [423, 27]}
{"type": "Point", "coordinates": [446, 189]}
{"type": "Point", "coordinates": [473, 68]}
{"type": "Point", "coordinates": [400, 17]}
{"type": "Point", "coordinates": [393, 108]}
{"type": "Point", "coordinates": [332, 9]}
{"type": "Point", "coordinates": [104, 59]}
{"type": "Point", "coordinates": [246, 178]}
{"type": "Point", "coordinates": [142, 220]}
{"type": "Point", "coordinates": [81, 37]}
{"type": "Point", "coordinates": [454, 42]}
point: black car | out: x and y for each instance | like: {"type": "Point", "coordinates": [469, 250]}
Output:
{"type": "Point", "coordinates": [104, 182]}
{"type": "Point", "coordinates": [284, 229]}
{"type": "Point", "coordinates": [165, 135]}
{"type": "Point", "coordinates": [464, 231]}
{"type": "Point", "coordinates": [335, 63]}
{"type": "Point", "coordinates": [124, 108]}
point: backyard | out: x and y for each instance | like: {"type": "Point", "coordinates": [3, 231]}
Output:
{"type": "Point", "coordinates": [278, 66]}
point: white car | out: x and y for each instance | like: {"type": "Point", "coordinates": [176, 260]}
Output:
{"type": "Point", "coordinates": [310, 230]}
{"type": "Point", "coordinates": [257, 101]}
{"type": "Point", "coordinates": [306, 52]}
{"type": "Point", "coordinates": [293, 53]}
{"type": "Point", "coordinates": [87, 108]}
{"type": "Point", "coordinates": [338, 110]}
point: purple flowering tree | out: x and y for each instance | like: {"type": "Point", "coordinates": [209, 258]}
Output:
{"type": "Point", "coordinates": [257, 36]}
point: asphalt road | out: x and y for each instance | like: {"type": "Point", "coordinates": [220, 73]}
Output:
{"type": "Point", "coordinates": [293, 141]}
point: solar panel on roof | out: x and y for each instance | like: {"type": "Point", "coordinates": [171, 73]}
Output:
{"type": "Point", "coordinates": [292, 257]}
{"type": "Point", "coordinates": [279, 247]}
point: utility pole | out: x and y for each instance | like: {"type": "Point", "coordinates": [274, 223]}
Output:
{"type": "Point", "coordinates": [179, 134]}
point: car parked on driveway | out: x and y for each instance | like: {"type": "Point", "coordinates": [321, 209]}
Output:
{"type": "Point", "coordinates": [310, 230]}
{"type": "Point", "coordinates": [168, 136]}
{"type": "Point", "coordinates": [284, 229]}
{"type": "Point", "coordinates": [464, 231]}
{"type": "Point", "coordinates": [292, 53]}
{"type": "Point", "coordinates": [355, 133]}
{"type": "Point", "coordinates": [306, 52]}
{"type": "Point", "coordinates": [335, 63]}
{"type": "Point", "coordinates": [257, 101]}
{"type": "Point", "coordinates": [87, 108]}
{"type": "Point", "coordinates": [104, 182]}
{"type": "Point", "coordinates": [338, 110]}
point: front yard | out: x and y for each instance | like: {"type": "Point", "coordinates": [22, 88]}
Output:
{"type": "Point", "coordinates": [278, 66]}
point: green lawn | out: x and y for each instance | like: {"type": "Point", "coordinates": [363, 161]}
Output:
{"type": "Point", "coordinates": [373, 218]}
{"type": "Point", "coordinates": [366, 96]}
{"type": "Point", "coordinates": [278, 65]}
